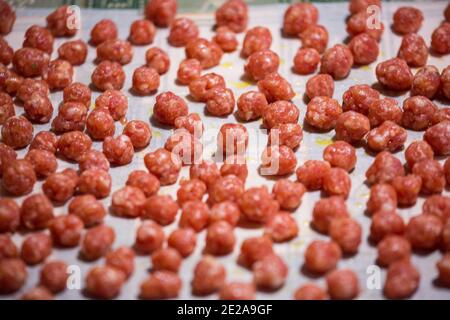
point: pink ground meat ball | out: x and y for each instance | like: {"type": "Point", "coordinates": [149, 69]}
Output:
{"type": "Point", "coordinates": [320, 85]}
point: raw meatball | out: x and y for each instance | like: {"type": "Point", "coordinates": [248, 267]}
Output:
{"type": "Point", "coordinates": [157, 59]}
{"type": "Point", "coordinates": [66, 230]}
{"type": "Point", "coordinates": [168, 107]}
{"type": "Point", "coordinates": [108, 75]}
{"type": "Point", "coordinates": [17, 132]}
{"type": "Point", "coordinates": [103, 30]}
{"type": "Point", "coordinates": [298, 17]}
{"type": "Point", "coordinates": [320, 85]}
{"type": "Point", "coordinates": [183, 240]}
{"type": "Point", "coordinates": [43, 162]}
{"type": "Point", "coordinates": [393, 248]}
{"type": "Point", "coordinates": [8, 17]}
{"type": "Point", "coordinates": [188, 71]}
{"type": "Point", "coordinates": [346, 232]}
{"type": "Point", "coordinates": [322, 256]}
{"type": "Point", "coordinates": [337, 183]}
{"type": "Point", "coordinates": [255, 249]}
{"type": "Point", "coordinates": [315, 36]}
{"type": "Point", "coordinates": [77, 92]}
{"type": "Point", "coordinates": [63, 22]}
{"type": "Point", "coordinates": [73, 144]}
{"type": "Point", "coordinates": [128, 202]}
{"type": "Point", "coordinates": [388, 136]}
{"type": "Point", "coordinates": [424, 231]}
{"type": "Point", "coordinates": [407, 20]}
{"type": "Point", "coordinates": [161, 209]}
{"type": "Point", "coordinates": [386, 223]}
{"type": "Point", "coordinates": [312, 173]}
{"type": "Point", "coordinates": [53, 276]}
{"type": "Point", "coordinates": [306, 61]}
{"type": "Point", "coordinates": [9, 216]}
{"type": "Point", "coordinates": [322, 113]}
{"type": "Point", "coordinates": [437, 205]}
{"type": "Point", "coordinates": [220, 238]}
{"type": "Point", "coordinates": [88, 209]}
{"type": "Point", "coordinates": [149, 237]}
{"type": "Point", "coordinates": [75, 52]}
{"type": "Point", "coordinates": [161, 12]}
{"type": "Point", "coordinates": [93, 159]}
{"type": "Point", "coordinates": [364, 49]}
{"type": "Point", "coordinates": [39, 38]}
{"type": "Point", "coordinates": [97, 242]}
{"type": "Point", "coordinates": [36, 248]}
{"type": "Point", "coordinates": [280, 112]}
{"type": "Point", "coordinates": [115, 101]}
{"type": "Point", "coordinates": [209, 276]}
{"type": "Point", "coordinates": [426, 82]}
{"type": "Point", "coordinates": [432, 174]}
{"type": "Point", "coordinates": [58, 74]}
{"type": "Point", "coordinates": [13, 274]}
{"type": "Point", "coordinates": [19, 177]}
{"type": "Point", "coordinates": [142, 32]}
{"type": "Point", "coordinates": [413, 50]}
{"type": "Point", "coordinates": [208, 53]}
{"type": "Point", "coordinates": [343, 284]}
{"type": "Point", "coordinates": [164, 164]}
{"type": "Point", "coordinates": [270, 273]}
{"type": "Point", "coordinates": [104, 282]}
{"type": "Point", "coordinates": [226, 39]}
{"type": "Point", "coordinates": [145, 181]}
{"type": "Point", "coordinates": [145, 80]}
{"type": "Point", "coordinates": [256, 39]}
{"type": "Point", "coordinates": [6, 107]}
{"type": "Point", "coordinates": [192, 123]}
{"type": "Point", "coordinates": [352, 127]}
{"type": "Point", "coordinates": [166, 259]}
{"type": "Point", "coordinates": [220, 101]}
{"type": "Point", "coordinates": [118, 150]}
{"type": "Point", "coordinates": [310, 292]}
{"type": "Point", "coordinates": [340, 154]}
{"type": "Point", "coordinates": [326, 210]}
{"type": "Point", "coordinates": [227, 211]}
{"type": "Point", "coordinates": [261, 63]}
{"type": "Point", "coordinates": [115, 50]}
{"type": "Point", "coordinates": [194, 215]}
{"type": "Point", "coordinates": [384, 168]}
{"type": "Point", "coordinates": [257, 205]}
{"type": "Point", "coordinates": [182, 30]}
{"type": "Point", "coordinates": [100, 124]}
{"type": "Point", "coordinates": [281, 227]}
{"type": "Point", "coordinates": [337, 61]}
{"type": "Point", "coordinates": [381, 110]}
{"type": "Point", "coordinates": [71, 116]}
{"type": "Point", "coordinates": [122, 259]}
{"type": "Point", "coordinates": [278, 160]}
{"type": "Point", "coordinates": [288, 193]}
{"type": "Point", "coordinates": [365, 22]}
{"type": "Point", "coordinates": [200, 87]}
{"type": "Point", "coordinates": [383, 197]}
{"type": "Point", "coordinates": [394, 74]}
{"type": "Point", "coordinates": [161, 284]}
{"type": "Point", "coordinates": [440, 39]}
{"type": "Point", "coordinates": [233, 14]}
{"type": "Point", "coordinates": [402, 280]}
{"type": "Point", "coordinates": [438, 137]}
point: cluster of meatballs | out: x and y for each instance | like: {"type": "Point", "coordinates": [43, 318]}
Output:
{"type": "Point", "coordinates": [215, 198]}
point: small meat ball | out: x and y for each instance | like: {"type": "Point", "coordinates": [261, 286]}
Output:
{"type": "Point", "coordinates": [30, 62]}
{"type": "Point", "coordinates": [188, 71]}
{"type": "Point", "coordinates": [287, 134]}
{"type": "Point", "coordinates": [270, 273]}
{"type": "Point", "coordinates": [254, 249]}
{"type": "Point", "coordinates": [280, 112]}
{"type": "Point", "coordinates": [66, 230]}
{"type": "Point", "coordinates": [63, 22]}
{"type": "Point", "coordinates": [424, 232]}
{"type": "Point", "coordinates": [192, 189]}
{"type": "Point", "coordinates": [13, 274]}
{"type": "Point", "coordinates": [364, 49]}
{"type": "Point", "coordinates": [220, 238]}
{"type": "Point", "coordinates": [426, 82]}
{"type": "Point", "coordinates": [75, 52]}
{"type": "Point", "coordinates": [225, 188]}
{"type": "Point", "coordinates": [326, 210]}
{"type": "Point", "coordinates": [122, 259]}
{"type": "Point", "coordinates": [393, 248]}
{"type": "Point", "coordinates": [432, 174]}
{"type": "Point", "coordinates": [17, 132]}
{"type": "Point", "coordinates": [407, 189]}
{"type": "Point", "coordinates": [100, 124]}
{"type": "Point", "coordinates": [443, 267]}
{"type": "Point", "coordinates": [340, 154]}
{"type": "Point", "coordinates": [262, 63]}
{"type": "Point", "coordinates": [232, 14]}
{"type": "Point", "coordinates": [209, 276]}
{"type": "Point", "coordinates": [73, 144]}
{"type": "Point", "coordinates": [227, 211]}
{"type": "Point", "coordinates": [437, 205]}
{"type": "Point", "coordinates": [104, 282]}
{"type": "Point", "coordinates": [194, 215]}
{"type": "Point", "coordinates": [118, 150]}
{"type": "Point", "coordinates": [95, 182]}
{"type": "Point", "coordinates": [402, 280]}
{"type": "Point", "coordinates": [226, 39]}
{"type": "Point", "coordinates": [161, 285]}
{"type": "Point", "coordinates": [192, 123]}
{"type": "Point", "coordinates": [337, 61]}
{"type": "Point", "coordinates": [142, 32]}
{"type": "Point", "coordinates": [108, 75]}
{"type": "Point", "coordinates": [36, 212]}
{"type": "Point", "coordinates": [388, 136]}
{"type": "Point", "coordinates": [97, 242]}
{"type": "Point", "coordinates": [43, 162]}
{"type": "Point", "coordinates": [256, 39]}
{"type": "Point", "coordinates": [183, 240]}
{"type": "Point", "coordinates": [251, 105]}
{"type": "Point", "coordinates": [77, 92]}
{"type": "Point", "coordinates": [347, 233]}
{"type": "Point", "coordinates": [38, 108]}
{"type": "Point", "coordinates": [438, 137]}
{"type": "Point", "coordinates": [28, 87]}
{"type": "Point", "coordinates": [383, 197]}
{"type": "Point", "coordinates": [149, 237]}
{"type": "Point", "coordinates": [9, 215]}
{"type": "Point", "coordinates": [288, 193]}
{"type": "Point", "coordinates": [413, 50]}
{"type": "Point", "coordinates": [439, 39]}
{"type": "Point", "coordinates": [208, 53]}
{"type": "Point", "coordinates": [322, 113]}
{"type": "Point", "coordinates": [168, 107]}
{"type": "Point", "coordinates": [166, 259]}
{"type": "Point", "coordinates": [182, 30]}
{"type": "Point", "coordinates": [407, 20]}
{"type": "Point", "coordinates": [322, 256]}
{"type": "Point", "coordinates": [343, 284]}
{"type": "Point", "coordinates": [235, 165]}
{"type": "Point", "coordinates": [157, 59]}
{"type": "Point", "coordinates": [199, 87]}
{"type": "Point", "coordinates": [114, 101]}
{"type": "Point", "coordinates": [315, 36]}
{"type": "Point", "coordinates": [386, 223]}
{"type": "Point", "coordinates": [276, 88]}
{"type": "Point", "coordinates": [6, 107]}
{"type": "Point", "coordinates": [161, 12]}
{"type": "Point", "coordinates": [58, 74]}
{"type": "Point", "coordinates": [278, 161]}
{"type": "Point", "coordinates": [281, 227]}
{"type": "Point", "coordinates": [237, 291]}
{"type": "Point", "coordinates": [386, 109]}
{"type": "Point", "coordinates": [36, 248]}
{"type": "Point", "coordinates": [220, 101]}
{"type": "Point", "coordinates": [161, 209]}
{"type": "Point", "coordinates": [93, 159]}
{"type": "Point", "coordinates": [206, 171]}
{"type": "Point", "coordinates": [128, 202]}
{"type": "Point", "coordinates": [384, 168]}
{"type": "Point", "coordinates": [164, 164]}
{"type": "Point", "coordinates": [320, 85]}
{"type": "Point", "coordinates": [365, 22]}
{"type": "Point", "coordinates": [53, 276]}
{"type": "Point", "coordinates": [312, 173]}
{"type": "Point", "coordinates": [306, 61]}
{"type": "Point", "coordinates": [103, 30]}
{"type": "Point", "coordinates": [88, 209]}
{"type": "Point", "coordinates": [394, 74]}
{"type": "Point", "coordinates": [352, 127]}
{"type": "Point", "coordinates": [145, 181]}
{"type": "Point", "coordinates": [19, 177]}
{"type": "Point", "coordinates": [298, 17]}
{"type": "Point", "coordinates": [310, 291]}
{"type": "Point", "coordinates": [71, 117]}
{"type": "Point", "coordinates": [8, 15]}
{"type": "Point", "coordinates": [356, 6]}
{"type": "Point", "coordinates": [145, 80]}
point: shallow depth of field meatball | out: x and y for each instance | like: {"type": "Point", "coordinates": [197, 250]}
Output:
{"type": "Point", "coordinates": [103, 30]}
{"type": "Point", "coordinates": [316, 37]}
{"type": "Point", "coordinates": [310, 291]}
{"type": "Point", "coordinates": [17, 132]}
{"type": "Point", "coordinates": [30, 62]}
{"type": "Point", "coordinates": [118, 150]}
{"type": "Point", "coordinates": [383, 197]}
{"type": "Point", "coordinates": [288, 193]}
{"type": "Point", "coordinates": [439, 39]}
{"type": "Point", "coordinates": [359, 98]}
{"type": "Point", "coordinates": [257, 205]}
{"type": "Point", "coordinates": [381, 110]}
{"type": "Point", "coordinates": [232, 14]}
{"type": "Point", "coordinates": [347, 233]}
{"type": "Point", "coordinates": [226, 39]}
{"type": "Point", "coordinates": [367, 23]}
{"type": "Point", "coordinates": [306, 61]}
{"type": "Point", "coordinates": [443, 267]}
{"type": "Point", "coordinates": [256, 39]}
{"type": "Point", "coordinates": [6, 107]}
{"type": "Point", "coordinates": [128, 202]}
{"type": "Point", "coordinates": [63, 22]}
{"type": "Point", "coordinates": [108, 76]}
{"type": "Point", "coordinates": [407, 188]}
{"type": "Point", "coordinates": [36, 248]}
{"type": "Point", "coordinates": [192, 189]}
{"type": "Point", "coordinates": [261, 63]}
{"type": "Point", "coordinates": [192, 123]}
{"type": "Point", "coordinates": [58, 74]}
{"type": "Point", "coordinates": [388, 136]}
{"type": "Point", "coordinates": [71, 116]}
{"type": "Point", "coordinates": [104, 282]}
{"type": "Point", "coordinates": [166, 259]}
{"type": "Point", "coordinates": [432, 174]}
{"type": "Point", "coordinates": [93, 159]}
{"type": "Point", "coordinates": [208, 53]}
{"type": "Point", "coordinates": [161, 285]}
{"type": "Point", "coordinates": [161, 12]}
{"type": "Point", "coordinates": [426, 82]}
{"type": "Point", "coordinates": [88, 209]}
{"type": "Point", "coordinates": [326, 210]}
{"type": "Point", "coordinates": [100, 124]}
{"type": "Point", "coordinates": [437, 205]}
{"type": "Point", "coordinates": [149, 237]}
{"type": "Point", "coordinates": [343, 284]}
{"type": "Point", "coordinates": [75, 52]}
{"type": "Point", "coordinates": [298, 17]}
{"type": "Point", "coordinates": [340, 154]}
{"type": "Point", "coordinates": [115, 50]}
{"type": "Point", "coordinates": [182, 30]}
{"type": "Point", "coordinates": [77, 92]}
{"type": "Point", "coordinates": [7, 52]}
{"type": "Point", "coordinates": [43, 162]}
{"type": "Point", "coordinates": [53, 276]}
{"type": "Point", "coordinates": [386, 223]}
{"type": "Point", "coordinates": [142, 32]}
{"type": "Point", "coordinates": [322, 113]}
{"type": "Point", "coordinates": [145, 80]}
{"type": "Point", "coordinates": [393, 248]}
{"type": "Point", "coordinates": [200, 87]}
{"type": "Point", "coordinates": [237, 291]}
{"type": "Point", "coordinates": [312, 173]}
{"type": "Point", "coordinates": [276, 88]}
{"type": "Point", "coordinates": [322, 256]}
{"type": "Point", "coordinates": [9, 215]}
{"type": "Point", "coordinates": [281, 227]}
{"type": "Point", "coordinates": [39, 38]}
{"type": "Point", "coordinates": [157, 59]}
{"type": "Point", "coordinates": [424, 231]}
{"type": "Point", "coordinates": [220, 101]}
{"type": "Point", "coordinates": [407, 20]}
{"type": "Point", "coordinates": [122, 259]}
{"type": "Point", "coordinates": [97, 242]}
{"type": "Point", "coordinates": [168, 107]}
{"type": "Point", "coordinates": [254, 249]}
{"type": "Point", "coordinates": [145, 181]}
{"type": "Point", "coordinates": [280, 112]}
{"type": "Point", "coordinates": [402, 280]}
{"type": "Point", "coordinates": [220, 238]}
{"type": "Point", "coordinates": [184, 240]}
{"type": "Point", "coordinates": [364, 49]}
{"type": "Point", "coordinates": [194, 215]}
{"type": "Point", "coordinates": [160, 208]}
{"type": "Point", "coordinates": [66, 230]}
{"type": "Point", "coordinates": [278, 160]}
{"type": "Point", "coordinates": [321, 85]}
{"type": "Point", "coordinates": [95, 182]}
{"type": "Point", "coordinates": [337, 61]}
{"type": "Point", "coordinates": [13, 274]}
{"type": "Point", "coordinates": [73, 144]}
{"type": "Point", "coordinates": [394, 74]}
{"type": "Point", "coordinates": [251, 105]}
{"type": "Point", "coordinates": [438, 137]}
{"type": "Point", "coordinates": [115, 101]}
{"type": "Point", "coordinates": [19, 177]}
{"type": "Point", "coordinates": [206, 171]}
{"type": "Point", "coordinates": [384, 168]}
{"type": "Point", "coordinates": [352, 127]}
{"type": "Point", "coordinates": [188, 71]}
{"type": "Point", "coordinates": [164, 164]}
{"type": "Point", "coordinates": [209, 276]}
{"type": "Point", "coordinates": [413, 50]}
{"type": "Point", "coordinates": [270, 273]}
{"type": "Point", "coordinates": [8, 15]}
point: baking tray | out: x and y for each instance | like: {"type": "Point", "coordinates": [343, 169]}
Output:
{"type": "Point", "coordinates": [332, 16]}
